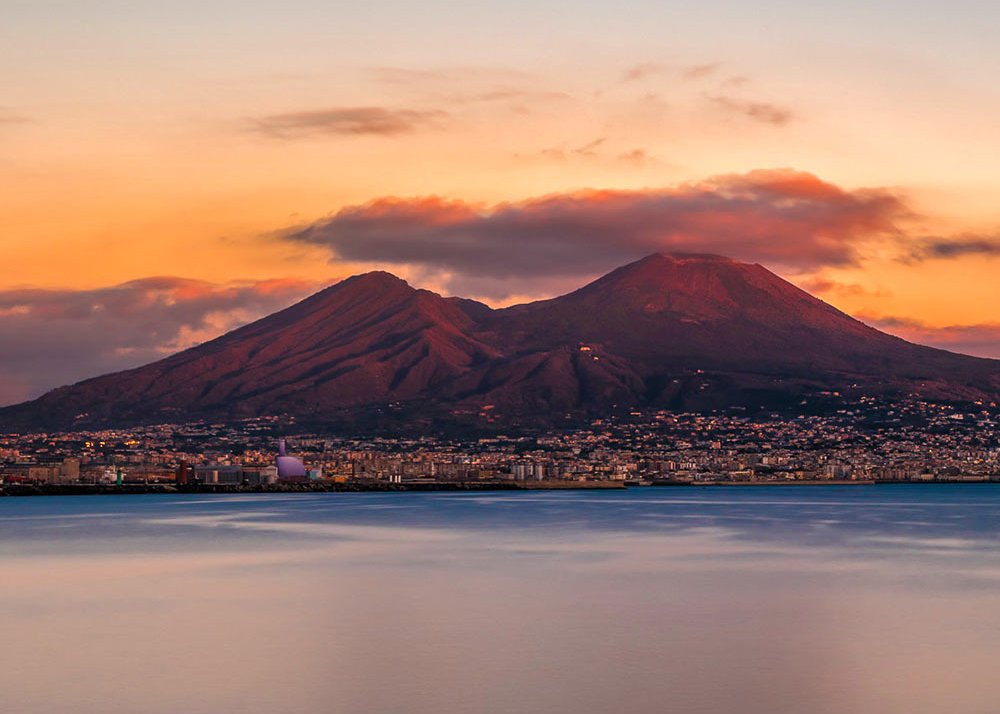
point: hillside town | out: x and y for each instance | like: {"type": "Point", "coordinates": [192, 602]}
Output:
{"type": "Point", "coordinates": [866, 441]}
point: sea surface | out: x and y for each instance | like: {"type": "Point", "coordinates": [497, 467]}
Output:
{"type": "Point", "coordinates": [749, 600]}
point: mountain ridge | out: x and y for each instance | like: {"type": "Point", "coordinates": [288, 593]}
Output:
{"type": "Point", "coordinates": [677, 331]}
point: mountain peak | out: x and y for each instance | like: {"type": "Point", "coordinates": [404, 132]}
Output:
{"type": "Point", "coordinates": [681, 257]}
{"type": "Point", "coordinates": [665, 269]}
{"type": "Point", "coordinates": [703, 276]}
{"type": "Point", "coordinates": [376, 280]}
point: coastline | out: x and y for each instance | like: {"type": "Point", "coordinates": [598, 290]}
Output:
{"type": "Point", "coordinates": [27, 490]}
{"type": "Point", "coordinates": [19, 490]}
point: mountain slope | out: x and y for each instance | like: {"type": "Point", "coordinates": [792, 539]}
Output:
{"type": "Point", "coordinates": [715, 313]}
{"type": "Point", "coordinates": [678, 331]}
{"type": "Point", "coordinates": [368, 336]}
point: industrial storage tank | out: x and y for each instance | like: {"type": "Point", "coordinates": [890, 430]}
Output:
{"type": "Point", "coordinates": [289, 467]}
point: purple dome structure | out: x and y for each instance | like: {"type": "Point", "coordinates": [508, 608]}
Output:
{"type": "Point", "coordinates": [289, 468]}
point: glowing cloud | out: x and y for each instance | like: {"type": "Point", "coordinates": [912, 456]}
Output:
{"type": "Point", "coordinates": [778, 217]}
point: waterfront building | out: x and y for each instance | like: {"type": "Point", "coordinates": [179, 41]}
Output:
{"type": "Point", "coordinates": [290, 469]}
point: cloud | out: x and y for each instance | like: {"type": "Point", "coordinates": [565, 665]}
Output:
{"type": "Point", "coordinates": [10, 116]}
{"type": "Point", "coordinates": [778, 217]}
{"type": "Point", "coordinates": [818, 284]}
{"type": "Point", "coordinates": [641, 71]}
{"type": "Point", "coordinates": [347, 121]}
{"type": "Point", "coordinates": [561, 153]}
{"type": "Point", "coordinates": [595, 150]}
{"type": "Point", "coordinates": [956, 247]}
{"type": "Point", "coordinates": [700, 71]}
{"type": "Point", "coordinates": [461, 86]}
{"type": "Point", "coordinates": [763, 112]}
{"type": "Point", "coordinates": [506, 94]}
{"type": "Point", "coordinates": [982, 340]}
{"type": "Point", "coordinates": [636, 156]}
{"type": "Point", "coordinates": [52, 337]}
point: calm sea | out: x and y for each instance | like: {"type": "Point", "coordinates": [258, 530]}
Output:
{"type": "Point", "coordinates": [770, 600]}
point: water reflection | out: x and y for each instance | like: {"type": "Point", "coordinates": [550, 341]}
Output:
{"type": "Point", "coordinates": [724, 600]}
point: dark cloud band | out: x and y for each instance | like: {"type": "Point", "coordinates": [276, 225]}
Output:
{"type": "Point", "coordinates": [782, 218]}
{"type": "Point", "coordinates": [958, 247]}
{"type": "Point", "coordinates": [981, 340]}
{"type": "Point", "coordinates": [349, 121]}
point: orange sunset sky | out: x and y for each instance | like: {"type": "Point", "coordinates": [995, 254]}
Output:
{"type": "Point", "coordinates": [171, 170]}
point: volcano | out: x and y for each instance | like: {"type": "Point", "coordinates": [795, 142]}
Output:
{"type": "Point", "coordinates": [677, 331]}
